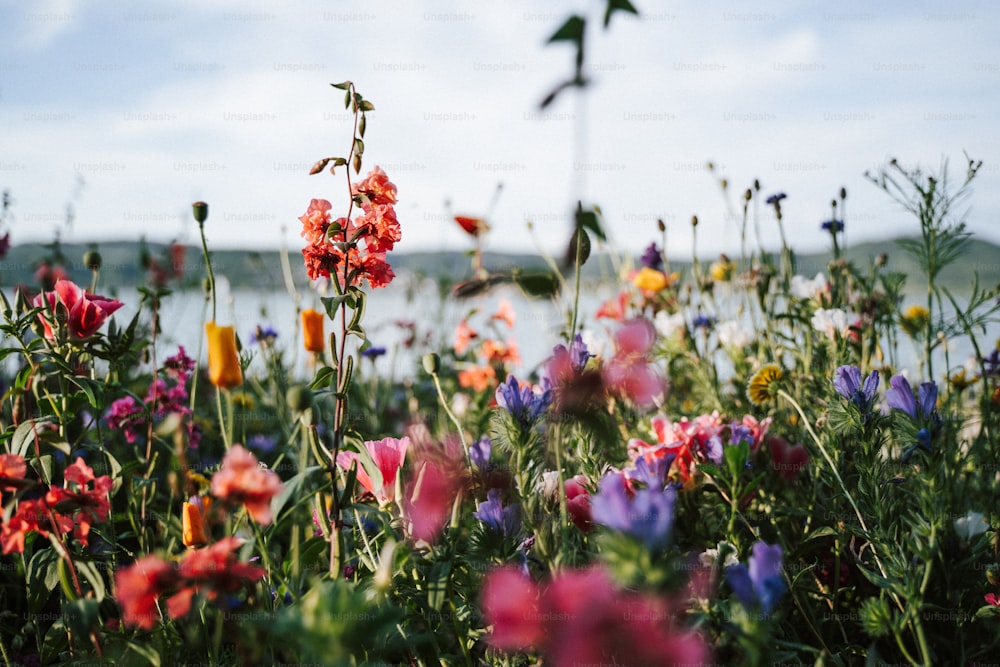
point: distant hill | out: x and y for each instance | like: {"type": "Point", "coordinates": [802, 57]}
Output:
{"type": "Point", "coordinates": [122, 266]}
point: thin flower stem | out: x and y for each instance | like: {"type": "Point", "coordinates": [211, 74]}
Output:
{"type": "Point", "coordinates": [454, 419]}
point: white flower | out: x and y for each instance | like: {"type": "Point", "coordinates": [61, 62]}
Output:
{"type": "Point", "coordinates": [833, 321]}
{"type": "Point", "coordinates": [549, 484]}
{"type": "Point", "coordinates": [669, 326]}
{"type": "Point", "coordinates": [710, 557]}
{"type": "Point", "coordinates": [460, 404]}
{"type": "Point", "coordinates": [970, 525]}
{"type": "Point", "coordinates": [803, 288]}
{"type": "Point", "coordinates": [733, 334]}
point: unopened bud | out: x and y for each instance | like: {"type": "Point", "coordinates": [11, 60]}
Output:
{"type": "Point", "coordinates": [432, 363]}
{"type": "Point", "coordinates": [662, 226]}
{"type": "Point", "coordinates": [694, 221]}
{"type": "Point", "coordinates": [92, 260]}
{"type": "Point", "coordinates": [843, 193]}
{"type": "Point", "coordinates": [299, 398]}
{"type": "Point", "coordinates": [200, 212]}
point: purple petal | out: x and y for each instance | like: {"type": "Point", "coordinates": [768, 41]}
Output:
{"type": "Point", "coordinates": [847, 381]}
{"type": "Point", "coordinates": [928, 392]}
{"type": "Point", "coordinates": [900, 396]}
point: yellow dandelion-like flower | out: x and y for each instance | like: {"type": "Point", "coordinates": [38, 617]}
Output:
{"type": "Point", "coordinates": [962, 379]}
{"type": "Point", "coordinates": [650, 280]}
{"type": "Point", "coordinates": [764, 384]}
{"type": "Point", "coordinates": [722, 270]}
{"type": "Point", "coordinates": [914, 319]}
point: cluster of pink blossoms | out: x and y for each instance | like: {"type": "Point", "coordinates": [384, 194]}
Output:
{"type": "Point", "coordinates": [372, 234]}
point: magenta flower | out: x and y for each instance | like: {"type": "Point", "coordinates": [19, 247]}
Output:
{"type": "Point", "coordinates": [387, 455]}
{"type": "Point", "coordinates": [85, 313]}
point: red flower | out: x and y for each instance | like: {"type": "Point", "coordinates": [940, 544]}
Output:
{"type": "Point", "coordinates": [992, 599]}
{"type": "Point", "coordinates": [84, 504]}
{"type": "Point", "coordinates": [786, 459]}
{"type": "Point", "coordinates": [510, 603]}
{"type": "Point", "coordinates": [241, 479]}
{"type": "Point", "coordinates": [472, 226]}
{"type": "Point", "coordinates": [578, 503]}
{"type": "Point", "coordinates": [377, 188]}
{"type": "Point", "coordinates": [12, 471]}
{"type": "Point", "coordinates": [85, 313]}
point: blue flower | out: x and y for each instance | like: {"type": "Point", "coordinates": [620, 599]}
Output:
{"type": "Point", "coordinates": [647, 516]}
{"type": "Point", "coordinates": [775, 199]}
{"type": "Point", "coordinates": [833, 226]}
{"type": "Point", "coordinates": [579, 354]}
{"type": "Point", "coordinates": [900, 397]}
{"type": "Point", "coordinates": [847, 382]}
{"type": "Point", "coordinates": [653, 474]}
{"type": "Point", "coordinates": [652, 257]}
{"type": "Point", "coordinates": [480, 451]}
{"type": "Point", "coordinates": [373, 352]}
{"type": "Point", "coordinates": [523, 404]}
{"type": "Point", "coordinates": [263, 335]}
{"type": "Point", "coordinates": [500, 519]}
{"type": "Point", "coordinates": [703, 322]}
{"type": "Point", "coordinates": [760, 584]}
{"type": "Point", "coordinates": [991, 363]}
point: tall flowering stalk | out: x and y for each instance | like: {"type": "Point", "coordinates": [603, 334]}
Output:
{"type": "Point", "coordinates": [349, 251]}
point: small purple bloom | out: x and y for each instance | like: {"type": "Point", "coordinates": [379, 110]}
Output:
{"type": "Point", "coordinates": [900, 397]}
{"type": "Point", "coordinates": [523, 404]}
{"type": "Point", "coordinates": [373, 352]}
{"type": "Point", "coordinates": [652, 257]}
{"type": "Point", "coordinates": [579, 354]}
{"type": "Point", "coordinates": [261, 442]}
{"type": "Point", "coordinates": [263, 335]}
{"type": "Point", "coordinates": [652, 474]}
{"type": "Point", "coordinates": [992, 363]}
{"type": "Point", "coordinates": [647, 516]}
{"type": "Point", "coordinates": [705, 322]}
{"type": "Point", "coordinates": [503, 520]}
{"type": "Point", "coordinates": [847, 382]}
{"type": "Point", "coordinates": [713, 449]}
{"type": "Point", "coordinates": [760, 584]}
{"type": "Point", "coordinates": [740, 433]}
{"type": "Point", "coordinates": [480, 451]}
{"type": "Point", "coordinates": [775, 199]}
{"type": "Point", "coordinates": [833, 226]}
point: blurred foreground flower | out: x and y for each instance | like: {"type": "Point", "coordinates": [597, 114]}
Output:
{"type": "Point", "coordinates": [84, 313]}
{"type": "Point", "coordinates": [242, 480]}
{"type": "Point", "coordinates": [224, 369]}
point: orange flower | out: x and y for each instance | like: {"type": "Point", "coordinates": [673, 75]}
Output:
{"type": "Point", "coordinates": [478, 378]}
{"type": "Point", "coordinates": [506, 313]}
{"type": "Point", "coordinates": [192, 526]}
{"type": "Point", "coordinates": [497, 351]}
{"type": "Point", "coordinates": [312, 330]}
{"type": "Point", "coordinates": [650, 280]}
{"type": "Point", "coordinates": [223, 359]}
{"type": "Point", "coordinates": [241, 479]}
{"type": "Point", "coordinates": [463, 336]}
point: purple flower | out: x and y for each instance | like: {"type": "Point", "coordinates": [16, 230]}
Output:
{"type": "Point", "coordinates": [653, 474]}
{"type": "Point", "coordinates": [263, 335]}
{"type": "Point", "coordinates": [523, 404]}
{"type": "Point", "coordinates": [847, 382]}
{"type": "Point", "coordinates": [760, 584]}
{"type": "Point", "coordinates": [833, 226]}
{"type": "Point", "coordinates": [775, 199]}
{"type": "Point", "coordinates": [992, 363]}
{"type": "Point", "coordinates": [900, 397]}
{"type": "Point", "coordinates": [503, 520]}
{"type": "Point", "coordinates": [705, 322]}
{"type": "Point", "coordinates": [373, 352]}
{"type": "Point", "coordinates": [480, 451]}
{"type": "Point", "coordinates": [647, 516]}
{"type": "Point", "coordinates": [652, 257]}
{"type": "Point", "coordinates": [261, 442]}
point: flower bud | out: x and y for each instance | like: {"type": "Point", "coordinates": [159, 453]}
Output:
{"type": "Point", "coordinates": [313, 338]}
{"type": "Point", "coordinates": [299, 398]}
{"type": "Point", "coordinates": [192, 526]}
{"type": "Point", "coordinates": [200, 212]}
{"type": "Point", "coordinates": [92, 260]}
{"type": "Point", "coordinates": [432, 363]}
{"type": "Point", "coordinates": [223, 359]}
{"type": "Point", "coordinates": [694, 221]}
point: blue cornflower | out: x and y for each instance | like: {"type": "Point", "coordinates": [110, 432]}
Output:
{"type": "Point", "coordinates": [653, 474]}
{"type": "Point", "coordinates": [263, 335]}
{"type": "Point", "coordinates": [373, 352]}
{"type": "Point", "coordinates": [900, 397]}
{"type": "Point", "coordinates": [647, 516]}
{"type": "Point", "coordinates": [523, 404]}
{"type": "Point", "coordinates": [847, 382]}
{"type": "Point", "coordinates": [652, 257]}
{"type": "Point", "coordinates": [705, 322]}
{"type": "Point", "coordinates": [480, 451]}
{"type": "Point", "coordinates": [833, 226]}
{"type": "Point", "coordinates": [775, 199]}
{"type": "Point", "coordinates": [760, 584]}
{"type": "Point", "coordinates": [500, 519]}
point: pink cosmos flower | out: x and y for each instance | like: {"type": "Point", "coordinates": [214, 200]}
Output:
{"type": "Point", "coordinates": [388, 455]}
{"type": "Point", "coordinates": [628, 373]}
{"type": "Point", "coordinates": [85, 312]}
{"type": "Point", "coordinates": [241, 479]}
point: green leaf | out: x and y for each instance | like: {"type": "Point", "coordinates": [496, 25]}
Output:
{"type": "Point", "coordinates": [362, 125]}
{"type": "Point", "coordinates": [93, 576]}
{"type": "Point", "coordinates": [367, 106]}
{"type": "Point", "coordinates": [292, 489]}
{"type": "Point", "coordinates": [324, 376]}
{"type": "Point", "coordinates": [346, 85]}
{"type": "Point", "coordinates": [81, 615]}
{"type": "Point", "coordinates": [570, 31]}
{"type": "Point", "coordinates": [42, 577]}
{"type": "Point", "coordinates": [333, 303]}
{"type": "Point", "coordinates": [359, 146]}
{"type": "Point", "coordinates": [620, 6]}
{"type": "Point", "coordinates": [437, 584]}
{"type": "Point", "coordinates": [345, 381]}
{"type": "Point", "coordinates": [537, 283]}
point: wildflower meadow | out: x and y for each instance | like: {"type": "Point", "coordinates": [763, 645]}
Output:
{"type": "Point", "coordinates": [726, 463]}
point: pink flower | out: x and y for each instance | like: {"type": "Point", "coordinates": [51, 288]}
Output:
{"type": "Point", "coordinates": [578, 503]}
{"type": "Point", "coordinates": [388, 455]}
{"type": "Point", "coordinates": [510, 603]}
{"type": "Point", "coordinates": [628, 373]}
{"type": "Point", "coordinates": [505, 313]}
{"type": "Point", "coordinates": [463, 336]}
{"type": "Point", "coordinates": [429, 499]}
{"type": "Point", "coordinates": [85, 313]}
{"type": "Point", "coordinates": [139, 586]}
{"type": "Point", "coordinates": [786, 459]}
{"type": "Point", "coordinates": [241, 479]}
{"type": "Point", "coordinates": [614, 308]}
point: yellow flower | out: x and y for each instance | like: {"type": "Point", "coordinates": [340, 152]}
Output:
{"type": "Point", "coordinates": [764, 384]}
{"type": "Point", "coordinates": [650, 280]}
{"type": "Point", "coordinates": [961, 379]}
{"type": "Point", "coordinates": [192, 526]}
{"type": "Point", "coordinates": [312, 330]}
{"type": "Point", "coordinates": [722, 270]}
{"type": "Point", "coordinates": [914, 319]}
{"type": "Point", "coordinates": [223, 359]}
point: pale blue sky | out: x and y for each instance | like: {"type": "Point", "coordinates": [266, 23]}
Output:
{"type": "Point", "coordinates": [158, 104]}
